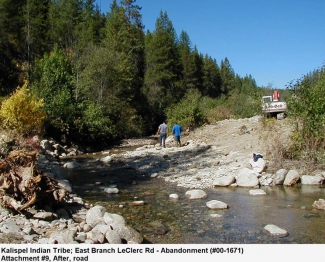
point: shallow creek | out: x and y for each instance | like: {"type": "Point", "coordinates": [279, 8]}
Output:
{"type": "Point", "coordinates": [164, 221]}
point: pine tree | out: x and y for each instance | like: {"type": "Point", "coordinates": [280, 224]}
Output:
{"type": "Point", "coordinates": [211, 77]}
{"type": "Point", "coordinates": [64, 16]}
{"type": "Point", "coordinates": [125, 38]}
{"type": "Point", "coordinates": [188, 62]}
{"type": "Point", "coordinates": [227, 76]}
{"type": "Point", "coordinates": [35, 29]}
{"type": "Point", "coordinates": [163, 68]}
{"type": "Point", "coordinates": [12, 43]}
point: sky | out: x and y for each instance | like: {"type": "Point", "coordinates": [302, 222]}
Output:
{"type": "Point", "coordinates": [274, 41]}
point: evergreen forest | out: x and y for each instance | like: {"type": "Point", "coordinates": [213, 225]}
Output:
{"type": "Point", "coordinates": [70, 72]}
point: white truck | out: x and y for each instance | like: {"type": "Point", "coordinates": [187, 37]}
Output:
{"type": "Point", "coordinates": [272, 106]}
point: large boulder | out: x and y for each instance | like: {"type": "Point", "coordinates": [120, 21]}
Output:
{"type": "Point", "coordinates": [291, 178]}
{"type": "Point", "coordinates": [279, 176]}
{"type": "Point", "coordinates": [247, 178]}
{"type": "Point", "coordinates": [95, 216]}
{"type": "Point", "coordinates": [258, 166]}
{"type": "Point", "coordinates": [312, 180]}
{"type": "Point", "coordinates": [224, 180]}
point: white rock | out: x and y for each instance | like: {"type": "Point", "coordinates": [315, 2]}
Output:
{"type": "Point", "coordinates": [215, 215]}
{"type": "Point", "coordinates": [280, 176]}
{"type": "Point", "coordinates": [196, 194]}
{"type": "Point", "coordinates": [258, 166]}
{"type": "Point", "coordinates": [173, 196]}
{"type": "Point", "coordinates": [291, 178]}
{"type": "Point", "coordinates": [320, 204]}
{"type": "Point", "coordinates": [257, 192]}
{"type": "Point", "coordinates": [111, 190]}
{"type": "Point", "coordinates": [224, 181]}
{"type": "Point", "coordinates": [312, 180]}
{"type": "Point", "coordinates": [275, 230]}
{"type": "Point", "coordinates": [215, 204]}
{"type": "Point", "coordinates": [247, 178]}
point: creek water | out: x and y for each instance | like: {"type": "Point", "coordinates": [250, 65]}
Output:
{"type": "Point", "coordinates": [164, 221]}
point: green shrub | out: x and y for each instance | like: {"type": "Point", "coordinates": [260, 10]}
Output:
{"type": "Point", "coordinates": [188, 112]}
{"type": "Point", "coordinates": [307, 108]}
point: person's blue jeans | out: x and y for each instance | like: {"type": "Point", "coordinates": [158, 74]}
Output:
{"type": "Point", "coordinates": [162, 139]}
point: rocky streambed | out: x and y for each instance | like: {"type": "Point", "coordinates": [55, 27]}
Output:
{"type": "Point", "coordinates": [205, 177]}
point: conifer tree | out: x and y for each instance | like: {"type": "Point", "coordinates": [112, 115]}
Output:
{"type": "Point", "coordinates": [211, 77]}
{"type": "Point", "coordinates": [188, 62]}
{"type": "Point", "coordinates": [227, 76]}
{"type": "Point", "coordinates": [12, 41]}
{"type": "Point", "coordinates": [163, 67]}
{"type": "Point", "coordinates": [125, 38]}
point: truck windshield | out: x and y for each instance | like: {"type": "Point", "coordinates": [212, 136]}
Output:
{"type": "Point", "coordinates": [267, 99]}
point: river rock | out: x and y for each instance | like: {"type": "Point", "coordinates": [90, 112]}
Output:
{"type": "Point", "coordinates": [46, 145]}
{"type": "Point", "coordinates": [279, 176]}
{"type": "Point", "coordinates": [137, 203]}
{"type": "Point", "coordinates": [97, 234]}
{"type": "Point", "coordinates": [320, 204]}
{"type": "Point", "coordinates": [113, 219]}
{"type": "Point", "coordinates": [71, 165]}
{"type": "Point", "coordinates": [275, 230]}
{"type": "Point", "coordinates": [113, 237]}
{"type": "Point", "coordinates": [224, 180]}
{"type": "Point", "coordinates": [47, 216]}
{"type": "Point", "coordinates": [174, 196]}
{"type": "Point", "coordinates": [65, 236]}
{"type": "Point", "coordinates": [312, 180]}
{"type": "Point", "coordinates": [64, 183]}
{"type": "Point", "coordinates": [196, 194]}
{"type": "Point", "coordinates": [292, 178]}
{"type": "Point", "coordinates": [247, 178]}
{"type": "Point", "coordinates": [215, 204]}
{"type": "Point", "coordinates": [215, 215]}
{"type": "Point", "coordinates": [130, 235]}
{"type": "Point", "coordinates": [106, 159]}
{"type": "Point", "coordinates": [257, 192]}
{"type": "Point", "coordinates": [95, 216]}
{"type": "Point", "coordinates": [10, 227]}
{"type": "Point", "coordinates": [111, 190]}
{"type": "Point", "coordinates": [258, 166]}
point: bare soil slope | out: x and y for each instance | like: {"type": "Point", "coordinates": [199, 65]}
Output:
{"type": "Point", "coordinates": [269, 137]}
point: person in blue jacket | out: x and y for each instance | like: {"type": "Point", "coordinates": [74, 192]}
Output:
{"type": "Point", "coordinates": [177, 131]}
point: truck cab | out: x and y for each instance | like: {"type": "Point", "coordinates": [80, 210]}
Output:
{"type": "Point", "coordinates": [272, 106]}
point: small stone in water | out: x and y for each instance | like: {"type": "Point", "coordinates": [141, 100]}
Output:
{"type": "Point", "coordinates": [137, 203]}
{"type": "Point", "coordinates": [173, 196]}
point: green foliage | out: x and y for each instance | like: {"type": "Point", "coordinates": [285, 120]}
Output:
{"type": "Point", "coordinates": [22, 112]}
{"type": "Point", "coordinates": [94, 126]}
{"type": "Point", "coordinates": [105, 112]}
{"type": "Point", "coordinates": [307, 108]}
{"type": "Point", "coordinates": [188, 112]}
{"type": "Point", "coordinates": [163, 69]}
{"type": "Point", "coordinates": [54, 82]}
{"type": "Point", "coordinates": [102, 78]}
